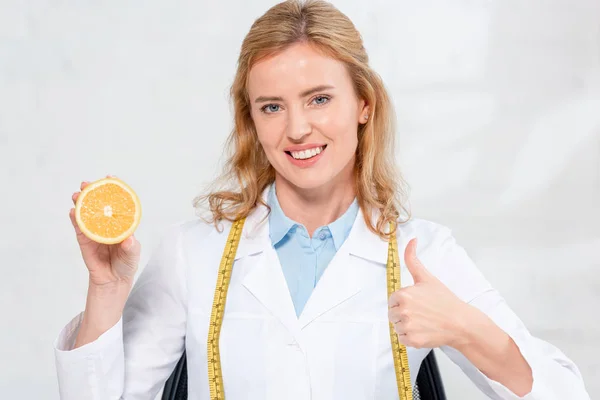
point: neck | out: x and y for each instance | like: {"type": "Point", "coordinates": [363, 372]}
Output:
{"type": "Point", "coordinates": [316, 207]}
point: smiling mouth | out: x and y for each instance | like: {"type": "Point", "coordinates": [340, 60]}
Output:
{"type": "Point", "coordinates": [306, 154]}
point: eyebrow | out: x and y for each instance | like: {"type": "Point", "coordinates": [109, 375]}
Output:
{"type": "Point", "coordinates": [262, 99]}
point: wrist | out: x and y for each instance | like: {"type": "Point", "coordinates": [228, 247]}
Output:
{"type": "Point", "coordinates": [109, 289]}
{"type": "Point", "coordinates": [477, 333]}
{"type": "Point", "coordinates": [104, 305]}
{"type": "Point", "coordinates": [103, 309]}
{"type": "Point", "coordinates": [466, 326]}
{"type": "Point", "coordinates": [108, 294]}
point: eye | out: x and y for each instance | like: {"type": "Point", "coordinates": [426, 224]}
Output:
{"type": "Point", "coordinates": [320, 100]}
{"type": "Point", "coordinates": [270, 108]}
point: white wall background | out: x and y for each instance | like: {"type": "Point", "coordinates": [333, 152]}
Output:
{"type": "Point", "coordinates": [499, 125]}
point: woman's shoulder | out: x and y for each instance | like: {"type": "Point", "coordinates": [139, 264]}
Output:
{"type": "Point", "coordinates": [196, 228]}
{"type": "Point", "coordinates": [425, 230]}
{"type": "Point", "coordinates": [442, 255]}
{"type": "Point", "coordinates": [188, 238]}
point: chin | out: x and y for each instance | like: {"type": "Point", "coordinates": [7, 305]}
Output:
{"type": "Point", "coordinates": [308, 180]}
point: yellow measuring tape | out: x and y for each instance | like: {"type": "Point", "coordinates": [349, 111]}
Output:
{"type": "Point", "coordinates": [398, 350]}
{"type": "Point", "coordinates": [215, 377]}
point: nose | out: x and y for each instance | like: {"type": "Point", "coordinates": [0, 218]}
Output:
{"type": "Point", "coordinates": [298, 125]}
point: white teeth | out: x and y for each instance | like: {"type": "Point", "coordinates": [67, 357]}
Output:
{"type": "Point", "coordinates": [304, 154]}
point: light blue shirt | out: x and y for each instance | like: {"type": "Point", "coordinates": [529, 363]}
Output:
{"type": "Point", "coordinates": [303, 259]}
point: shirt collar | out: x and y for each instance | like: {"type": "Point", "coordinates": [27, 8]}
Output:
{"type": "Point", "coordinates": [280, 224]}
{"type": "Point", "coordinates": [341, 227]}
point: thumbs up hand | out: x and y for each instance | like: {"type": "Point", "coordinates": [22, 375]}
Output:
{"type": "Point", "coordinates": [426, 314]}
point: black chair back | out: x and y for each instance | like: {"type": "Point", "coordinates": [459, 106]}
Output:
{"type": "Point", "coordinates": [429, 384]}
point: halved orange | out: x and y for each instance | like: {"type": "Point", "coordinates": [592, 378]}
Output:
{"type": "Point", "coordinates": [108, 211]}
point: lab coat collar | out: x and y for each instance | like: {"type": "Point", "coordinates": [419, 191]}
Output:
{"type": "Point", "coordinates": [279, 223]}
{"type": "Point", "coordinates": [255, 234]}
{"type": "Point", "coordinates": [362, 242]}
{"type": "Point", "coordinates": [365, 244]}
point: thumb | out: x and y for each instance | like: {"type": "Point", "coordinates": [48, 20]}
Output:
{"type": "Point", "coordinates": [130, 247]}
{"type": "Point", "coordinates": [414, 265]}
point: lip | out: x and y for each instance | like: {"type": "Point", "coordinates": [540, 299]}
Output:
{"type": "Point", "coordinates": [308, 162]}
{"type": "Point", "coordinates": [301, 147]}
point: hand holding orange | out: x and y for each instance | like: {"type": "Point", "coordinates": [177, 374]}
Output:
{"type": "Point", "coordinates": [106, 215]}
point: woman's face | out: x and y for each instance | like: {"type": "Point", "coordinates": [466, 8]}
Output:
{"type": "Point", "coordinates": [306, 114]}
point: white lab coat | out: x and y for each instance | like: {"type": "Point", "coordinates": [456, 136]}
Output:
{"type": "Point", "coordinates": [339, 347]}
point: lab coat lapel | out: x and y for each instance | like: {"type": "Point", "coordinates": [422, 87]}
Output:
{"type": "Point", "coordinates": [339, 282]}
{"type": "Point", "coordinates": [266, 282]}
{"type": "Point", "coordinates": [265, 279]}
{"type": "Point", "coordinates": [342, 278]}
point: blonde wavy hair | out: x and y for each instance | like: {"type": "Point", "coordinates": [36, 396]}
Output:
{"type": "Point", "coordinates": [247, 172]}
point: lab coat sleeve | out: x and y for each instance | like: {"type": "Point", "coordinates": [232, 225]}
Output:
{"type": "Point", "coordinates": [554, 375]}
{"type": "Point", "coordinates": [134, 358]}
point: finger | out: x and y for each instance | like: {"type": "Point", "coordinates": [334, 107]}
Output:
{"type": "Point", "coordinates": [414, 265]}
{"type": "Point", "coordinates": [401, 297]}
{"type": "Point", "coordinates": [130, 249]}
{"type": "Point", "coordinates": [400, 329]}
{"type": "Point", "coordinates": [403, 340]}
{"type": "Point", "coordinates": [393, 301]}
{"type": "Point", "coordinates": [84, 184]}
{"type": "Point", "coordinates": [74, 221]}
{"type": "Point", "coordinates": [74, 197]}
{"type": "Point", "coordinates": [129, 243]}
{"type": "Point", "coordinates": [393, 315]}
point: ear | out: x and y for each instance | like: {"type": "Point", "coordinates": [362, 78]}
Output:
{"type": "Point", "coordinates": [364, 112]}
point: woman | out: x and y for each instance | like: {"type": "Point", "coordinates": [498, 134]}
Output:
{"type": "Point", "coordinates": [307, 313]}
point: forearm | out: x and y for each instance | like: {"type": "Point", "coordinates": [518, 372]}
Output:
{"type": "Point", "coordinates": [104, 307]}
{"type": "Point", "coordinates": [494, 353]}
